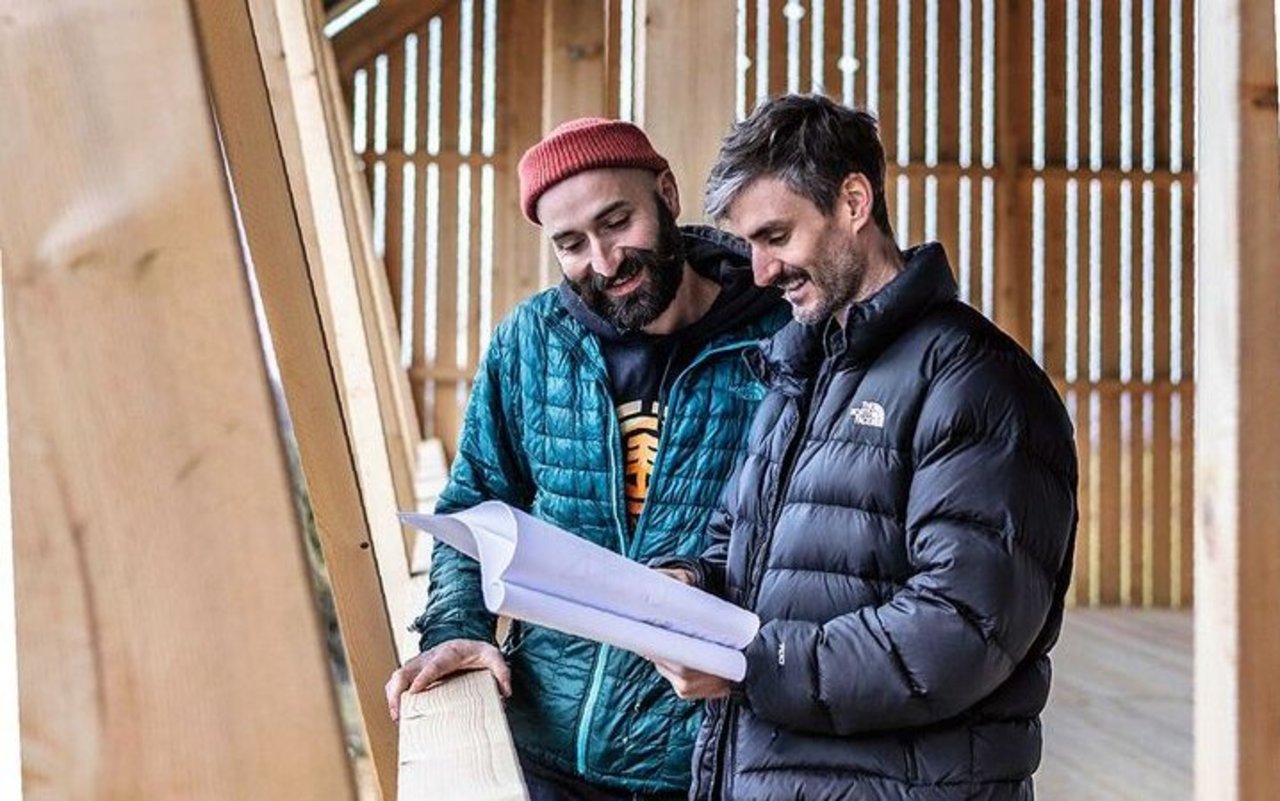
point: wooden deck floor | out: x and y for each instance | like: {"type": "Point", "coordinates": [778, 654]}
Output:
{"type": "Point", "coordinates": [1118, 726]}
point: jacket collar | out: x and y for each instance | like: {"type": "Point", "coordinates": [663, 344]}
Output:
{"type": "Point", "coordinates": [791, 358]}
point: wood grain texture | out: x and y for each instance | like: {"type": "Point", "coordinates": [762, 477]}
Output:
{"type": "Point", "coordinates": [161, 582]}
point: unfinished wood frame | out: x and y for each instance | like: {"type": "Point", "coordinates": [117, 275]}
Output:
{"type": "Point", "coordinates": [162, 589]}
{"type": "Point", "coordinates": [262, 78]}
{"type": "Point", "coordinates": [1237, 489]}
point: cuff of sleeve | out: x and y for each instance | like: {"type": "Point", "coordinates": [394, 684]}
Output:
{"type": "Point", "coordinates": [433, 635]}
{"type": "Point", "coordinates": [694, 566]}
{"type": "Point", "coordinates": [782, 680]}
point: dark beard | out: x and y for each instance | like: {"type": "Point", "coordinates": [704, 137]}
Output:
{"type": "Point", "coordinates": [664, 268]}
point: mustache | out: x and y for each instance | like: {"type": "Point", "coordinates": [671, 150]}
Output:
{"type": "Point", "coordinates": [635, 261]}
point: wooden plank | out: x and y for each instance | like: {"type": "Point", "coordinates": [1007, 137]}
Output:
{"type": "Point", "coordinates": [281, 228]}
{"type": "Point", "coordinates": [393, 393]}
{"type": "Point", "coordinates": [1082, 575]}
{"type": "Point", "coordinates": [690, 88]}
{"type": "Point", "coordinates": [778, 48]}
{"type": "Point", "coordinates": [573, 66]}
{"type": "Point", "coordinates": [447, 419]}
{"type": "Point", "coordinates": [143, 432]}
{"type": "Point", "coordinates": [394, 257]}
{"type": "Point", "coordinates": [1189, 435]}
{"type": "Point", "coordinates": [832, 33]}
{"type": "Point", "coordinates": [10, 731]}
{"type": "Point", "coordinates": [316, 148]}
{"type": "Point", "coordinates": [1013, 144]}
{"type": "Point", "coordinates": [520, 81]}
{"type": "Point", "coordinates": [372, 33]}
{"type": "Point", "coordinates": [613, 57]}
{"type": "Point", "coordinates": [455, 745]}
{"type": "Point", "coordinates": [1237, 487]}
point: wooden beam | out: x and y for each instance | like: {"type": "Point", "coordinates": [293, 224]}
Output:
{"type": "Point", "coordinates": [1237, 485]}
{"type": "Point", "coordinates": [574, 67]}
{"type": "Point", "coordinates": [259, 122]}
{"type": "Point", "coordinates": [10, 735]}
{"type": "Point", "coordinates": [455, 745]}
{"type": "Point", "coordinates": [1013, 152]}
{"type": "Point", "coordinates": [373, 32]}
{"type": "Point", "coordinates": [323, 187]}
{"type": "Point", "coordinates": [687, 83]}
{"type": "Point", "coordinates": [162, 588]}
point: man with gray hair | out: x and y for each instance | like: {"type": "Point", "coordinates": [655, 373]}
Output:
{"type": "Point", "coordinates": [904, 518]}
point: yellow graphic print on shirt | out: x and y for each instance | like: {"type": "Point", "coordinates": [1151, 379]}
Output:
{"type": "Point", "coordinates": [639, 422]}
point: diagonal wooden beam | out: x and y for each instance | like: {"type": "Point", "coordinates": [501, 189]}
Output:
{"type": "Point", "coordinates": [168, 639]}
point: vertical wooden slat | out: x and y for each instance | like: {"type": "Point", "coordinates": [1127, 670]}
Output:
{"type": "Point", "coordinates": [1190, 289]}
{"type": "Point", "coordinates": [948, 189]}
{"type": "Point", "coordinates": [833, 50]}
{"type": "Point", "coordinates": [1192, 379]}
{"type": "Point", "coordinates": [778, 52]}
{"type": "Point", "coordinates": [447, 418]}
{"type": "Point", "coordinates": [142, 432]}
{"type": "Point", "coordinates": [690, 89]}
{"type": "Point", "coordinates": [1013, 146]}
{"type": "Point", "coordinates": [574, 61]}
{"type": "Point", "coordinates": [520, 82]}
{"type": "Point", "coordinates": [395, 173]}
{"type": "Point", "coordinates": [1161, 445]}
{"type": "Point", "coordinates": [612, 57]}
{"type": "Point", "coordinates": [1055, 208]}
{"type": "Point", "coordinates": [1109, 450]}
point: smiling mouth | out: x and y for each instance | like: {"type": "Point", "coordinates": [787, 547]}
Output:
{"type": "Point", "coordinates": [625, 286]}
{"type": "Point", "coordinates": [792, 285]}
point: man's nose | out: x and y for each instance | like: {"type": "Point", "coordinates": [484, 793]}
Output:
{"type": "Point", "coordinates": [764, 267]}
{"type": "Point", "coordinates": [605, 258]}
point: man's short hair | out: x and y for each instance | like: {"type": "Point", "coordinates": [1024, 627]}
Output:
{"type": "Point", "coordinates": [811, 144]}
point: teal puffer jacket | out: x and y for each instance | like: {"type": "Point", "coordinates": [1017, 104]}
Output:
{"type": "Point", "coordinates": [541, 433]}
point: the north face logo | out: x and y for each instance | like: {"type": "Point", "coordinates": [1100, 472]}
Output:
{"type": "Point", "coordinates": [868, 413]}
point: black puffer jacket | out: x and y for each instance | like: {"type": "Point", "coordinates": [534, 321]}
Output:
{"type": "Point", "coordinates": [903, 524]}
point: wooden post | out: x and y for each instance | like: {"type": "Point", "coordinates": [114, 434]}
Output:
{"type": "Point", "coordinates": [168, 638]}
{"type": "Point", "coordinates": [1237, 483]}
{"type": "Point", "coordinates": [687, 83]}
{"type": "Point", "coordinates": [10, 755]}
{"type": "Point", "coordinates": [249, 79]}
{"type": "Point", "coordinates": [1013, 149]}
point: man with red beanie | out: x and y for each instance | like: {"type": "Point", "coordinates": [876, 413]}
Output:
{"type": "Point", "coordinates": [612, 406]}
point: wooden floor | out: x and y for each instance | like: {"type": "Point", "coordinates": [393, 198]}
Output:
{"type": "Point", "coordinates": [1118, 725]}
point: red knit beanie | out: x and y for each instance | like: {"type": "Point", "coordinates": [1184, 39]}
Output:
{"type": "Point", "coordinates": [579, 145]}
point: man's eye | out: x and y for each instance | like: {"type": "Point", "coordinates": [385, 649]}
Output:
{"type": "Point", "coordinates": [778, 240]}
{"type": "Point", "coordinates": [569, 245]}
{"type": "Point", "coordinates": [616, 223]}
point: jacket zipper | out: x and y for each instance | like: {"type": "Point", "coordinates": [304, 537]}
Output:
{"type": "Point", "coordinates": [602, 653]}
{"type": "Point", "coordinates": [759, 560]}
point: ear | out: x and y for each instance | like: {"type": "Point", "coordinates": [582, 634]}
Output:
{"type": "Point", "coordinates": [669, 192]}
{"type": "Point", "coordinates": [856, 201]}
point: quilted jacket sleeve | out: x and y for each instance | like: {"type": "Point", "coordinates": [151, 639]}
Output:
{"type": "Point", "coordinates": [488, 466]}
{"type": "Point", "coordinates": [990, 520]}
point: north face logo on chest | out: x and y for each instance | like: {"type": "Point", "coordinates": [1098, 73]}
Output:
{"type": "Point", "coordinates": [868, 413]}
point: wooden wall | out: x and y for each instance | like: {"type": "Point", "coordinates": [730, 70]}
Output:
{"type": "Point", "coordinates": [1048, 145]}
